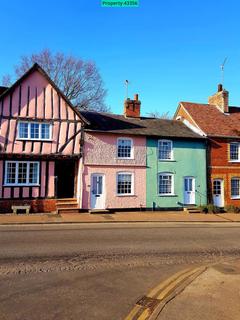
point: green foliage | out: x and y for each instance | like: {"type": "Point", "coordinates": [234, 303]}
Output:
{"type": "Point", "coordinates": [232, 209]}
{"type": "Point", "coordinates": [210, 208]}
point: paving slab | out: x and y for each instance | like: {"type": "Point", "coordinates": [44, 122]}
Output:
{"type": "Point", "coordinates": [213, 295]}
{"type": "Point", "coordinates": [146, 216]}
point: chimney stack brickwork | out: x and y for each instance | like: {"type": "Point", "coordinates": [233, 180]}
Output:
{"type": "Point", "coordinates": [220, 99]}
{"type": "Point", "coordinates": [132, 107]}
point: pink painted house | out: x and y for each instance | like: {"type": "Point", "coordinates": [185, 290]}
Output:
{"type": "Point", "coordinates": [40, 144]}
{"type": "Point", "coordinates": [114, 156]}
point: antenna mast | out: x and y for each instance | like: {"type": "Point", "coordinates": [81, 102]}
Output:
{"type": "Point", "coordinates": [222, 71]}
{"type": "Point", "coordinates": [126, 84]}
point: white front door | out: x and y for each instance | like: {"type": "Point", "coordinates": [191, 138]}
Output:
{"type": "Point", "coordinates": [189, 190]}
{"type": "Point", "coordinates": [218, 195]}
{"type": "Point", "coordinates": [97, 191]}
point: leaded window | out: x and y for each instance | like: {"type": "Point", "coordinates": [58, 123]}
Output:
{"type": "Point", "coordinates": [165, 151]}
{"type": "Point", "coordinates": [23, 130]}
{"type": "Point", "coordinates": [165, 183]}
{"type": "Point", "coordinates": [124, 148]}
{"type": "Point", "coordinates": [234, 151]}
{"type": "Point", "coordinates": [34, 131]}
{"type": "Point", "coordinates": [124, 183]}
{"type": "Point", "coordinates": [21, 173]}
{"type": "Point", "coordinates": [235, 187]}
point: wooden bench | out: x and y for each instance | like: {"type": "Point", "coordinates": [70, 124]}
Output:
{"type": "Point", "coordinates": [24, 207]}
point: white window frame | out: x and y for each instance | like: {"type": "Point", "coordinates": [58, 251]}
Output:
{"type": "Point", "coordinates": [172, 186]}
{"type": "Point", "coordinates": [132, 184]}
{"type": "Point", "coordinates": [233, 160]}
{"type": "Point", "coordinates": [132, 152]}
{"type": "Point", "coordinates": [234, 196]}
{"type": "Point", "coordinates": [171, 144]}
{"type": "Point", "coordinates": [16, 174]}
{"type": "Point", "coordinates": [40, 131]}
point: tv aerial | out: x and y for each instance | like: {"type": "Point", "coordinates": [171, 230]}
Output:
{"type": "Point", "coordinates": [127, 84]}
{"type": "Point", "coordinates": [222, 66]}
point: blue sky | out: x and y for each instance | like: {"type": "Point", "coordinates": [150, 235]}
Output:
{"type": "Point", "coordinates": [170, 51]}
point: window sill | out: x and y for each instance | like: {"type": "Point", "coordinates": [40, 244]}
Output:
{"type": "Point", "coordinates": [118, 158]}
{"type": "Point", "coordinates": [21, 185]}
{"type": "Point", "coordinates": [36, 140]}
{"type": "Point", "coordinates": [167, 195]}
{"type": "Point", "coordinates": [126, 195]}
{"type": "Point", "coordinates": [234, 161]}
{"type": "Point", "coordinates": [235, 198]}
{"type": "Point", "coordinates": [166, 160]}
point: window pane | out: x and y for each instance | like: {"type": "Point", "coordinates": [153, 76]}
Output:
{"type": "Point", "coordinates": [235, 187]}
{"type": "Point", "coordinates": [234, 151]}
{"type": "Point", "coordinates": [11, 172]}
{"type": "Point", "coordinates": [99, 185]}
{"type": "Point", "coordinates": [94, 185]}
{"type": "Point", "coordinates": [22, 172]}
{"type": "Point", "coordinates": [45, 131]}
{"type": "Point", "coordinates": [124, 148]}
{"type": "Point", "coordinates": [165, 184]}
{"type": "Point", "coordinates": [216, 187]}
{"type": "Point", "coordinates": [23, 130]}
{"type": "Point", "coordinates": [124, 185]}
{"type": "Point", "coordinates": [33, 173]}
{"type": "Point", "coordinates": [165, 150]}
{"type": "Point", "coordinates": [34, 130]}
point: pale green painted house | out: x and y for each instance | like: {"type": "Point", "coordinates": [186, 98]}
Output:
{"type": "Point", "coordinates": [176, 172]}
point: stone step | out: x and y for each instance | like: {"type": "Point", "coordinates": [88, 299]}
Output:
{"type": "Point", "coordinates": [98, 211]}
{"type": "Point", "coordinates": [66, 200]}
{"type": "Point", "coordinates": [67, 205]}
{"type": "Point", "coordinates": [68, 210]}
{"type": "Point", "coordinates": [194, 211]}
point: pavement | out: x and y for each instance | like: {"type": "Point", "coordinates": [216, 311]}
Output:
{"type": "Point", "coordinates": [146, 216]}
{"type": "Point", "coordinates": [208, 292]}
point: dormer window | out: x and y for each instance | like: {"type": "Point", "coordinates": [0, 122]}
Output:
{"type": "Point", "coordinates": [124, 148]}
{"type": "Point", "coordinates": [165, 150]}
{"type": "Point", "coordinates": [234, 151]}
{"type": "Point", "coordinates": [34, 130]}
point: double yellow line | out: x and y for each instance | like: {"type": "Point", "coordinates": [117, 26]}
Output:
{"type": "Point", "coordinates": [161, 293]}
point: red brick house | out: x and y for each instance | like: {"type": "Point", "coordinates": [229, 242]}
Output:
{"type": "Point", "coordinates": [221, 124]}
{"type": "Point", "coordinates": [40, 144]}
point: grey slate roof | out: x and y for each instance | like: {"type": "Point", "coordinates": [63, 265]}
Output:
{"type": "Point", "coordinates": [112, 123]}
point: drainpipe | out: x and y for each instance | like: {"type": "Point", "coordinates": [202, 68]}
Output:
{"type": "Point", "coordinates": [208, 175]}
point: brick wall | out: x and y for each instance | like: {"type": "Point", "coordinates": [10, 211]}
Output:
{"type": "Point", "coordinates": [37, 206]}
{"type": "Point", "coordinates": [221, 168]}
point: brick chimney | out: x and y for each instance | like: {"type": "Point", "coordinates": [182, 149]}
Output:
{"type": "Point", "coordinates": [220, 99]}
{"type": "Point", "coordinates": [132, 107]}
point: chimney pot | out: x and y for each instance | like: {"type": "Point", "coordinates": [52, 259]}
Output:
{"type": "Point", "coordinates": [220, 87]}
{"type": "Point", "coordinates": [136, 97]}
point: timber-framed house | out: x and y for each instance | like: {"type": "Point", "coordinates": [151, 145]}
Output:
{"type": "Point", "coordinates": [40, 144]}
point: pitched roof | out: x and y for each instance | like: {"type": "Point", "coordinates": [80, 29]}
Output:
{"type": "Point", "coordinates": [2, 89]}
{"type": "Point", "coordinates": [112, 123]}
{"type": "Point", "coordinates": [36, 67]}
{"type": "Point", "coordinates": [214, 122]}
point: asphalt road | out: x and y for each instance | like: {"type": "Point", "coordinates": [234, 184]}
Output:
{"type": "Point", "coordinates": [99, 271]}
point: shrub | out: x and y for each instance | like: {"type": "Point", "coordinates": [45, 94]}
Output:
{"type": "Point", "coordinates": [232, 208]}
{"type": "Point", "coordinates": [210, 208]}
